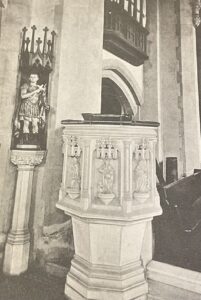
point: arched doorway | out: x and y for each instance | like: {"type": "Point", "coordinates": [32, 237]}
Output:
{"type": "Point", "coordinates": [120, 91]}
{"type": "Point", "coordinates": [113, 100]}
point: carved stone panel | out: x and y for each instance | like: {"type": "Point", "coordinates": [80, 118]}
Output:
{"type": "Point", "coordinates": [141, 172]}
{"type": "Point", "coordinates": [109, 168]}
{"type": "Point", "coordinates": [106, 173]}
{"type": "Point", "coordinates": [73, 180]}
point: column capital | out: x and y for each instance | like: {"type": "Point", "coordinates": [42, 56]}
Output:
{"type": "Point", "coordinates": [29, 158]}
{"type": "Point", "coordinates": [196, 6]}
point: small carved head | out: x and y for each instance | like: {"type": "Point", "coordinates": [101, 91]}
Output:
{"type": "Point", "coordinates": [33, 78]}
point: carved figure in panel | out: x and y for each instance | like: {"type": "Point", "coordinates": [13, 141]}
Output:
{"type": "Point", "coordinates": [107, 178]}
{"type": "Point", "coordinates": [141, 173]}
{"type": "Point", "coordinates": [74, 183]}
{"type": "Point", "coordinates": [75, 174]}
{"type": "Point", "coordinates": [106, 152]}
{"type": "Point", "coordinates": [141, 177]}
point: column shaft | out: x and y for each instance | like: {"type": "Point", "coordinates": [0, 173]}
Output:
{"type": "Point", "coordinates": [18, 241]}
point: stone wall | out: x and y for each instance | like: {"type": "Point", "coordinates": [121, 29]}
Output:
{"type": "Point", "coordinates": [75, 87]}
{"type": "Point", "coordinates": [170, 89]}
{"type": "Point", "coordinates": [170, 98]}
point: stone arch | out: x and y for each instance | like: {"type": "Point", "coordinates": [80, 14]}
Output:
{"type": "Point", "coordinates": [117, 71]}
{"type": "Point", "coordinates": [127, 102]}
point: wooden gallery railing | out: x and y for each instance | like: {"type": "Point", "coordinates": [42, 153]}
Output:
{"type": "Point", "coordinates": [125, 34]}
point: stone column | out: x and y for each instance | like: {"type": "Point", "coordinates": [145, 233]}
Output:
{"type": "Point", "coordinates": [152, 110]}
{"type": "Point", "coordinates": [18, 241]}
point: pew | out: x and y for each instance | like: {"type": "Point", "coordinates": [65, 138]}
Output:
{"type": "Point", "coordinates": [178, 231]}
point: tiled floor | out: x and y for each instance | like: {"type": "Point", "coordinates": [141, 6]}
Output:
{"type": "Point", "coordinates": [33, 285]}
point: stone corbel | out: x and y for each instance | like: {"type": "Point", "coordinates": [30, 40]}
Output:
{"type": "Point", "coordinates": [196, 6]}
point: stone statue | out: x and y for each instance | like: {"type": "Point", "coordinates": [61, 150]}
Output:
{"type": "Point", "coordinates": [141, 177]}
{"type": "Point", "coordinates": [32, 109]}
{"type": "Point", "coordinates": [75, 179]}
{"type": "Point", "coordinates": [107, 172]}
{"type": "Point", "coordinates": [106, 183]}
{"type": "Point", "coordinates": [75, 175]}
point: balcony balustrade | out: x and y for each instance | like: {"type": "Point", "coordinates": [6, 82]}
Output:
{"type": "Point", "coordinates": [125, 34]}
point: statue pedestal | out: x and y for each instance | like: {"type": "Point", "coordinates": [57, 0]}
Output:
{"type": "Point", "coordinates": [18, 241]}
{"type": "Point", "coordinates": [109, 234]}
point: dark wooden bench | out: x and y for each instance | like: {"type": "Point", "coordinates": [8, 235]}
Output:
{"type": "Point", "coordinates": [184, 196]}
{"type": "Point", "coordinates": [178, 229]}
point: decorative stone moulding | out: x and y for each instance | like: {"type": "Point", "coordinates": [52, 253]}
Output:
{"type": "Point", "coordinates": [114, 174]}
{"type": "Point", "coordinates": [27, 157]}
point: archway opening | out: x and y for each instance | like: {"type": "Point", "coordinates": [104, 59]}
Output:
{"type": "Point", "coordinates": [113, 100]}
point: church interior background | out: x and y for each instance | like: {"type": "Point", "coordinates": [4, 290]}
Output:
{"type": "Point", "coordinates": [100, 146]}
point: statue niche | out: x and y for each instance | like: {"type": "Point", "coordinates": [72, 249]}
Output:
{"type": "Point", "coordinates": [35, 66]}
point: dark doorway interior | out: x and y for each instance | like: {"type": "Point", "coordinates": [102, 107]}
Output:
{"type": "Point", "coordinates": [113, 99]}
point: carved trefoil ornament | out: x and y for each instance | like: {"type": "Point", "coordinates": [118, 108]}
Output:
{"type": "Point", "coordinates": [141, 172]}
{"type": "Point", "coordinates": [107, 152]}
{"type": "Point", "coordinates": [74, 147]}
{"type": "Point", "coordinates": [196, 6]}
{"type": "Point", "coordinates": [74, 182]}
{"type": "Point", "coordinates": [36, 62]}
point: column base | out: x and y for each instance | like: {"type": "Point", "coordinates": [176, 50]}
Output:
{"type": "Point", "coordinates": [16, 253]}
{"type": "Point", "coordinates": [2, 246]}
{"type": "Point", "coordinates": [99, 282]}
